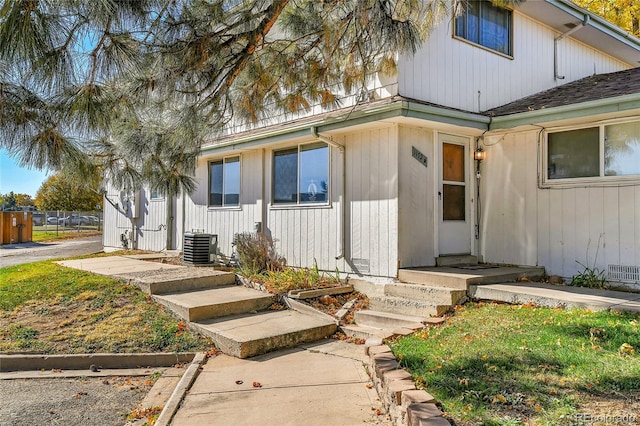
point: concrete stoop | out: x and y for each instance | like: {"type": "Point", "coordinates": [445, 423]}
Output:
{"type": "Point", "coordinates": [462, 276]}
{"type": "Point", "coordinates": [406, 405]}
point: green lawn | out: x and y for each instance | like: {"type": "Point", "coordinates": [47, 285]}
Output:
{"type": "Point", "coordinates": [509, 365]}
{"type": "Point", "coordinates": [45, 307]}
{"type": "Point", "coordinates": [41, 234]}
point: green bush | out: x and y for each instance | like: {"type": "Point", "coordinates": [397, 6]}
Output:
{"type": "Point", "coordinates": [257, 253]}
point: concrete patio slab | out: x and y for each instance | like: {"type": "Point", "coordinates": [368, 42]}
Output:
{"type": "Point", "coordinates": [115, 265]}
{"type": "Point", "coordinates": [558, 296]}
{"type": "Point", "coordinates": [324, 384]}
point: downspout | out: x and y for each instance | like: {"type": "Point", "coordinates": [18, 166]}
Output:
{"type": "Point", "coordinates": [581, 25]}
{"type": "Point", "coordinates": [184, 216]}
{"type": "Point", "coordinates": [263, 207]}
{"type": "Point", "coordinates": [341, 197]}
{"type": "Point", "coordinates": [169, 221]}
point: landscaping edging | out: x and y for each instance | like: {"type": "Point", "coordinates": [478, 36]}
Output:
{"type": "Point", "coordinates": [405, 404]}
{"type": "Point", "coordinates": [84, 361]}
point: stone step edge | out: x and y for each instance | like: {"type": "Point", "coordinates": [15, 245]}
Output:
{"type": "Point", "coordinates": [405, 404]}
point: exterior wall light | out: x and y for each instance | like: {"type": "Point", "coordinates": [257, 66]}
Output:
{"type": "Point", "coordinates": [479, 154]}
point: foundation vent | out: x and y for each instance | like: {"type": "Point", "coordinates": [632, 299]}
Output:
{"type": "Point", "coordinates": [624, 274]}
{"type": "Point", "coordinates": [361, 265]}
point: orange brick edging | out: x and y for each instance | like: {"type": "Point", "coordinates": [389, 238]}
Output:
{"type": "Point", "coordinates": [406, 405]}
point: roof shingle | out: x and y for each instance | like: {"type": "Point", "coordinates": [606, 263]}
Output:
{"type": "Point", "coordinates": [595, 87]}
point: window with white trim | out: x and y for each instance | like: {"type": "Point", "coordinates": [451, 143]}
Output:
{"type": "Point", "coordinates": [224, 182]}
{"type": "Point", "coordinates": [301, 174]}
{"type": "Point", "coordinates": [603, 152]}
{"type": "Point", "coordinates": [486, 25]}
{"type": "Point", "coordinates": [155, 195]}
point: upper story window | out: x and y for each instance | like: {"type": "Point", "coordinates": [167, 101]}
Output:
{"type": "Point", "coordinates": [301, 174]}
{"type": "Point", "coordinates": [600, 153]}
{"type": "Point", "coordinates": [487, 25]}
{"type": "Point", "coordinates": [224, 182]}
{"type": "Point", "coordinates": [155, 195]}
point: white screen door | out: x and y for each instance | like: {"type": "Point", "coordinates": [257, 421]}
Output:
{"type": "Point", "coordinates": [454, 228]}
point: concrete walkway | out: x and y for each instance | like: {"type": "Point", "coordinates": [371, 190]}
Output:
{"type": "Point", "coordinates": [558, 296]}
{"type": "Point", "coordinates": [323, 384]}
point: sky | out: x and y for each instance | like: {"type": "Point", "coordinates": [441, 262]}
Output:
{"type": "Point", "coordinates": [17, 179]}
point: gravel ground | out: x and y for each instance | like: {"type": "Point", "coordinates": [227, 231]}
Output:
{"type": "Point", "coordinates": [81, 401]}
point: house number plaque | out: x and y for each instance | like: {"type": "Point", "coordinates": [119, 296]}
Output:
{"type": "Point", "coordinates": [415, 153]}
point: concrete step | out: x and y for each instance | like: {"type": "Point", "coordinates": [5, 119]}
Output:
{"type": "Point", "coordinates": [248, 335]}
{"type": "Point", "coordinates": [398, 305]}
{"type": "Point", "coordinates": [462, 259]}
{"type": "Point", "coordinates": [388, 320]}
{"type": "Point", "coordinates": [433, 295]}
{"type": "Point", "coordinates": [364, 332]}
{"type": "Point", "coordinates": [182, 279]}
{"type": "Point", "coordinates": [214, 303]}
{"type": "Point", "coordinates": [462, 276]}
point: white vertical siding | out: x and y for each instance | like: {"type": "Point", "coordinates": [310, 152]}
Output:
{"type": "Point", "coordinates": [226, 222]}
{"type": "Point", "coordinates": [149, 228]}
{"type": "Point", "coordinates": [416, 198]}
{"type": "Point", "coordinates": [309, 234]}
{"type": "Point", "coordinates": [372, 191]}
{"type": "Point", "coordinates": [554, 228]}
{"type": "Point", "coordinates": [451, 72]}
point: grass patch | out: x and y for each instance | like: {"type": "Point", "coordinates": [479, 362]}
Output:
{"type": "Point", "coordinates": [45, 307]}
{"type": "Point", "coordinates": [500, 364]}
{"type": "Point", "coordinates": [52, 235]}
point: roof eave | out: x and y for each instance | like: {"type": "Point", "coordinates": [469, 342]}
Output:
{"type": "Point", "coordinates": [598, 22]}
{"type": "Point", "coordinates": [397, 109]}
{"type": "Point", "coordinates": [565, 112]}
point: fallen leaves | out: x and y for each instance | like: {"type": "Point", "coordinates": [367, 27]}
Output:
{"type": "Point", "coordinates": [141, 413]}
{"type": "Point", "coordinates": [257, 384]}
{"type": "Point", "coordinates": [626, 349]}
{"type": "Point", "coordinates": [499, 398]}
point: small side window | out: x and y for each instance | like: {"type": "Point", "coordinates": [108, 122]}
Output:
{"type": "Point", "coordinates": [224, 182]}
{"type": "Point", "coordinates": [301, 174]}
{"type": "Point", "coordinates": [486, 25]}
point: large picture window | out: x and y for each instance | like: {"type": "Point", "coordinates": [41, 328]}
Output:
{"type": "Point", "coordinates": [605, 151]}
{"type": "Point", "coordinates": [224, 182]}
{"type": "Point", "coordinates": [301, 174]}
{"type": "Point", "coordinates": [485, 24]}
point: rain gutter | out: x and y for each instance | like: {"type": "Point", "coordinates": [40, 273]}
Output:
{"type": "Point", "coordinates": [590, 108]}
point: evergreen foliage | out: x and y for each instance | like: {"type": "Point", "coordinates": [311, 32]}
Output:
{"type": "Point", "coordinates": [134, 87]}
